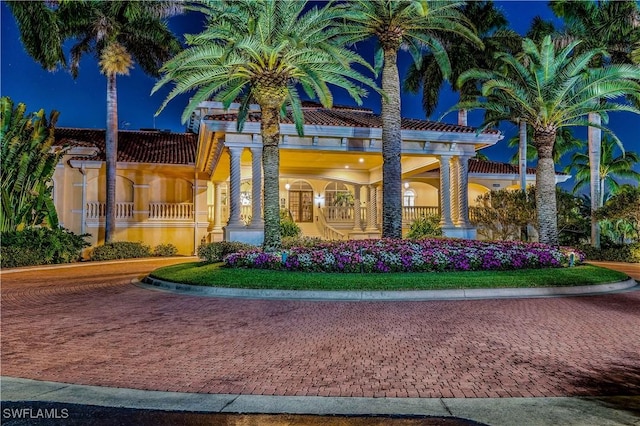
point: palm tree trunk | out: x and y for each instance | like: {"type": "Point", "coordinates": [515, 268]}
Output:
{"type": "Point", "coordinates": [546, 188]}
{"type": "Point", "coordinates": [522, 156]}
{"type": "Point", "coordinates": [595, 142]}
{"type": "Point", "coordinates": [462, 117]}
{"type": "Point", "coordinates": [391, 149]}
{"type": "Point", "coordinates": [111, 157]}
{"type": "Point", "coordinates": [270, 128]}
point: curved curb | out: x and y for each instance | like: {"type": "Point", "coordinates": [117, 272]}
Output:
{"type": "Point", "coordinates": [362, 296]}
{"type": "Point", "coordinates": [91, 263]}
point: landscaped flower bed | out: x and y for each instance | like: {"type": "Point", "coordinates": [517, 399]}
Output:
{"type": "Point", "coordinates": [389, 255]}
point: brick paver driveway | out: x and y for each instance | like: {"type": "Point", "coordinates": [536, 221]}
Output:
{"type": "Point", "coordinates": [90, 325]}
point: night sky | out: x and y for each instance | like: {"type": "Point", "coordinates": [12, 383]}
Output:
{"type": "Point", "coordinates": [82, 102]}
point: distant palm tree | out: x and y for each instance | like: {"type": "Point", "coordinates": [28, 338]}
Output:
{"type": "Point", "coordinates": [492, 29]}
{"type": "Point", "coordinates": [611, 168]}
{"type": "Point", "coordinates": [612, 26]}
{"type": "Point", "coordinates": [262, 52]}
{"type": "Point", "coordinates": [417, 26]}
{"type": "Point", "coordinates": [550, 90]}
{"type": "Point", "coordinates": [119, 33]}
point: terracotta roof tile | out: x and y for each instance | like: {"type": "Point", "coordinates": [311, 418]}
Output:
{"type": "Point", "coordinates": [136, 146]}
{"type": "Point", "coordinates": [348, 117]}
{"type": "Point", "coordinates": [495, 168]}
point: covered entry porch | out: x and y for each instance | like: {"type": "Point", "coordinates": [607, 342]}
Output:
{"type": "Point", "coordinates": [331, 178]}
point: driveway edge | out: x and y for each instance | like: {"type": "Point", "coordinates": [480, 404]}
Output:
{"type": "Point", "coordinates": [411, 295]}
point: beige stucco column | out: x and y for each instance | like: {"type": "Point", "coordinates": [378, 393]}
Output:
{"type": "Point", "coordinates": [445, 191]}
{"type": "Point", "coordinates": [372, 209]}
{"type": "Point", "coordinates": [217, 206]}
{"type": "Point", "coordinates": [455, 191]}
{"type": "Point", "coordinates": [463, 190]}
{"type": "Point", "coordinates": [234, 186]}
{"type": "Point", "coordinates": [357, 226]}
{"type": "Point", "coordinates": [256, 188]}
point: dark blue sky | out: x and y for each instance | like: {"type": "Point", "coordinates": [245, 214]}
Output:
{"type": "Point", "coordinates": [82, 102]}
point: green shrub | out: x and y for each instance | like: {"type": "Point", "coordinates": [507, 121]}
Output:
{"type": "Point", "coordinates": [120, 250]}
{"type": "Point", "coordinates": [614, 253]}
{"type": "Point", "coordinates": [425, 226]}
{"type": "Point", "coordinates": [290, 242]}
{"type": "Point", "coordinates": [216, 251]}
{"type": "Point", "coordinates": [14, 257]}
{"type": "Point", "coordinates": [288, 228]}
{"type": "Point", "coordinates": [165, 250]}
{"type": "Point", "coordinates": [40, 246]}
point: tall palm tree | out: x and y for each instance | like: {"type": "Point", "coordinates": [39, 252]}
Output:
{"type": "Point", "coordinates": [612, 167]}
{"type": "Point", "coordinates": [416, 26]}
{"type": "Point", "coordinates": [612, 26]}
{"type": "Point", "coordinates": [550, 90]}
{"type": "Point", "coordinates": [118, 33]}
{"type": "Point", "coordinates": [262, 51]}
{"type": "Point", "coordinates": [565, 143]}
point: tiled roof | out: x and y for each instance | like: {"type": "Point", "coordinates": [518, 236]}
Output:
{"type": "Point", "coordinates": [136, 146]}
{"type": "Point", "coordinates": [352, 118]}
{"type": "Point", "coordinates": [495, 168]}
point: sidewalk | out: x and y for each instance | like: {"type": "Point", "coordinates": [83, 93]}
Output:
{"type": "Point", "coordinates": [605, 411]}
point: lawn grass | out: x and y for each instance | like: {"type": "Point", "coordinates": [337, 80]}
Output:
{"type": "Point", "coordinates": [216, 275]}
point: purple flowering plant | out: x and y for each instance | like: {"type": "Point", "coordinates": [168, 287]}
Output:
{"type": "Point", "coordinates": [395, 255]}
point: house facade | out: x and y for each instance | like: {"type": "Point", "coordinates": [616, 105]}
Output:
{"type": "Point", "coordinates": [206, 184]}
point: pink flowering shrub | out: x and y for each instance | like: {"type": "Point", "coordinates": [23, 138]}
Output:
{"type": "Point", "coordinates": [388, 255]}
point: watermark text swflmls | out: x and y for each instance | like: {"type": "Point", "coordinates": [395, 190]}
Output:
{"type": "Point", "coordinates": [35, 413]}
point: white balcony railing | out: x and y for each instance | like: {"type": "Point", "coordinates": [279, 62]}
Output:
{"type": "Point", "coordinates": [171, 211]}
{"type": "Point", "coordinates": [409, 214]}
{"type": "Point", "coordinates": [97, 210]}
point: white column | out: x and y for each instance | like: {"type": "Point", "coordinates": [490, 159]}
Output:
{"type": "Point", "coordinates": [372, 211]}
{"type": "Point", "coordinates": [463, 190]}
{"type": "Point", "coordinates": [234, 186]}
{"type": "Point", "coordinates": [445, 191]}
{"type": "Point", "coordinates": [356, 208]}
{"type": "Point", "coordinates": [256, 188]}
{"type": "Point", "coordinates": [217, 206]}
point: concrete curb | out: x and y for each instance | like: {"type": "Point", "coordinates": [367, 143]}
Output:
{"type": "Point", "coordinates": [412, 295]}
{"type": "Point", "coordinates": [91, 263]}
{"type": "Point", "coordinates": [604, 411]}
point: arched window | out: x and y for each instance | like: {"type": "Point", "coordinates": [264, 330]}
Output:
{"type": "Point", "coordinates": [409, 198]}
{"type": "Point", "coordinates": [337, 194]}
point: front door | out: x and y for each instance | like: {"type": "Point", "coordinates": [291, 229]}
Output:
{"type": "Point", "coordinates": [301, 205]}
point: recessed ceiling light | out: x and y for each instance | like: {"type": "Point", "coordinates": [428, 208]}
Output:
{"type": "Point", "coordinates": [346, 167]}
{"type": "Point", "coordinates": [361, 160]}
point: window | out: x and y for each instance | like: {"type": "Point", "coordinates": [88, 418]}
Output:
{"type": "Point", "coordinates": [337, 194]}
{"type": "Point", "coordinates": [409, 199]}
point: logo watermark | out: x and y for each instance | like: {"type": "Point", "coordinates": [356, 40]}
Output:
{"type": "Point", "coordinates": [35, 413]}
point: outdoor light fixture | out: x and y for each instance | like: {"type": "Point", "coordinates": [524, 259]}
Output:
{"type": "Point", "coordinates": [287, 186]}
{"type": "Point", "coordinates": [406, 185]}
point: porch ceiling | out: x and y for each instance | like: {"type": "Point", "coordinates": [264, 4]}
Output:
{"type": "Point", "coordinates": [315, 162]}
{"type": "Point", "coordinates": [322, 160]}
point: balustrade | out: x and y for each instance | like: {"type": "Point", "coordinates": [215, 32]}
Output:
{"type": "Point", "coordinates": [411, 213]}
{"type": "Point", "coordinates": [97, 210]}
{"type": "Point", "coordinates": [171, 211]}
